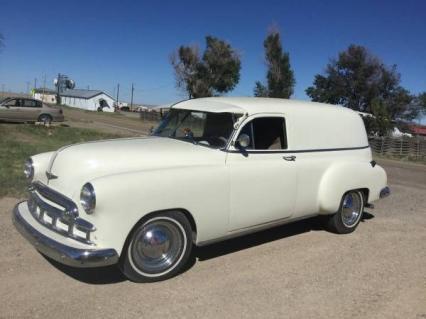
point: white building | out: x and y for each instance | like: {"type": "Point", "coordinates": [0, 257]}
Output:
{"type": "Point", "coordinates": [92, 100]}
{"type": "Point", "coordinates": [45, 95]}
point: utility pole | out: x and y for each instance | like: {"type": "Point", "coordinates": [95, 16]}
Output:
{"type": "Point", "coordinates": [131, 99]}
{"type": "Point", "coordinates": [35, 83]}
{"type": "Point", "coordinates": [44, 87]}
{"type": "Point", "coordinates": [58, 97]}
{"type": "Point", "coordinates": [118, 93]}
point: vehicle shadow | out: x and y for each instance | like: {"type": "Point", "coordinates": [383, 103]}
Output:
{"type": "Point", "coordinates": [112, 275]}
{"type": "Point", "coordinates": [259, 238]}
{"type": "Point", "coordinates": [366, 216]}
{"type": "Point", "coordinates": [262, 237]}
{"type": "Point", "coordinates": [94, 276]}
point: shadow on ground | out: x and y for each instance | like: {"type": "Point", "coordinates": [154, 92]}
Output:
{"type": "Point", "coordinates": [94, 276]}
{"type": "Point", "coordinates": [112, 275]}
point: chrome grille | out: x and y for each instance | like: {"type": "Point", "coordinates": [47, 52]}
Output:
{"type": "Point", "coordinates": [63, 220]}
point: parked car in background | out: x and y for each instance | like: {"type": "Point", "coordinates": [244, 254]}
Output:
{"type": "Point", "coordinates": [215, 168]}
{"type": "Point", "coordinates": [29, 110]}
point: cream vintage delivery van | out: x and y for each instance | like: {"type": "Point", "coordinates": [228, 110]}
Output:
{"type": "Point", "coordinates": [214, 168]}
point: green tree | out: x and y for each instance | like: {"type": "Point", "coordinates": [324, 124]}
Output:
{"type": "Point", "coordinates": [356, 78]}
{"type": "Point", "coordinates": [280, 76]}
{"type": "Point", "coordinates": [421, 101]}
{"type": "Point", "coordinates": [379, 123]}
{"type": "Point", "coordinates": [216, 72]}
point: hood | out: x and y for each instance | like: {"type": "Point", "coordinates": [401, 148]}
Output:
{"type": "Point", "coordinates": [75, 165]}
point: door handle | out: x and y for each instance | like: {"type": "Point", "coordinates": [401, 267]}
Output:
{"type": "Point", "coordinates": [290, 158]}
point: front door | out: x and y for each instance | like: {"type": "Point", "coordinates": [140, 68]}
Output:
{"type": "Point", "coordinates": [9, 110]}
{"type": "Point", "coordinates": [262, 177]}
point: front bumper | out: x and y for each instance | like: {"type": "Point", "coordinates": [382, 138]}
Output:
{"type": "Point", "coordinates": [49, 243]}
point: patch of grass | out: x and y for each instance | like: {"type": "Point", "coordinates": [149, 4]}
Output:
{"type": "Point", "coordinates": [19, 141]}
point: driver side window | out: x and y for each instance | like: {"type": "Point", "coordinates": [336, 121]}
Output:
{"type": "Point", "coordinates": [266, 133]}
{"type": "Point", "coordinates": [13, 102]}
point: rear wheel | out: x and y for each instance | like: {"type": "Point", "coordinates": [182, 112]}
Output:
{"type": "Point", "coordinates": [349, 214]}
{"type": "Point", "coordinates": [46, 119]}
{"type": "Point", "coordinates": [158, 248]}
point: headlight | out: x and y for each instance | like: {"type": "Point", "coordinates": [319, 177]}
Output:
{"type": "Point", "coordinates": [29, 169]}
{"type": "Point", "coordinates": [88, 198]}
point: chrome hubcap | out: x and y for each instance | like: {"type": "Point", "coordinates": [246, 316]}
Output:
{"type": "Point", "coordinates": [351, 209]}
{"type": "Point", "coordinates": [157, 246]}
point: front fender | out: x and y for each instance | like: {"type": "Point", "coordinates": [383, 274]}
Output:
{"type": "Point", "coordinates": [41, 163]}
{"type": "Point", "coordinates": [344, 176]}
{"type": "Point", "coordinates": [123, 199]}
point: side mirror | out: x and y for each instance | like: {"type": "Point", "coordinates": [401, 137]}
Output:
{"type": "Point", "coordinates": [243, 141]}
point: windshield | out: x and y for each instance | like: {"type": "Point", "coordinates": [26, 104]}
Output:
{"type": "Point", "coordinates": [204, 128]}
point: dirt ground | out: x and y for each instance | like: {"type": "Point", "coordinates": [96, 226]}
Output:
{"type": "Point", "coordinates": [114, 123]}
{"type": "Point", "coordinates": [293, 271]}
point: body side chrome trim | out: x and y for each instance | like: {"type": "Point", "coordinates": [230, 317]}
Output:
{"type": "Point", "coordinates": [299, 151]}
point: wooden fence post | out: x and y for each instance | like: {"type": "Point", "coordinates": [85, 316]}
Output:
{"type": "Point", "coordinates": [418, 148]}
{"type": "Point", "coordinates": [382, 145]}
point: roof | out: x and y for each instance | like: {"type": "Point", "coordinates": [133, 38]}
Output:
{"type": "Point", "coordinates": [418, 129]}
{"type": "Point", "coordinates": [311, 125]}
{"type": "Point", "coordinates": [253, 105]}
{"type": "Point", "coordinates": [44, 91]}
{"type": "Point", "coordinates": [84, 94]}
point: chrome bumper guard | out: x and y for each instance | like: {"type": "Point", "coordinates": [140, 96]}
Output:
{"type": "Point", "coordinates": [62, 253]}
{"type": "Point", "coordinates": [385, 192]}
{"type": "Point", "coordinates": [62, 220]}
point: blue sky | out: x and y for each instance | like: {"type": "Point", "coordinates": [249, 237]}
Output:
{"type": "Point", "coordinates": [102, 43]}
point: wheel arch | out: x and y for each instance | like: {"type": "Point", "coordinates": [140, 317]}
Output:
{"type": "Point", "coordinates": [147, 216]}
{"type": "Point", "coordinates": [44, 114]}
{"type": "Point", "coordinates": [340, 179]}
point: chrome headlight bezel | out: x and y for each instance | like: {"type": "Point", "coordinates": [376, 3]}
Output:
{"type": "Point", "coordinates": [29, 168]}
{"type": "Point", "coordinates": [88, 198]}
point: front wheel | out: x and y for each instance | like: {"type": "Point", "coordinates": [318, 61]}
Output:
{"type": "Point", "coordinates": [158, 249]}
{"type": "Point", "coordinates": [349, 214]}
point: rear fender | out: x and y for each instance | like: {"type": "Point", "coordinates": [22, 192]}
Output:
{"type": "Point", "coordinates": [342, 177]}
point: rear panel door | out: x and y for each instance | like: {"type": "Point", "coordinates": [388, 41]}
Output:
{"type": "Point", "coordinates": [30, 110]}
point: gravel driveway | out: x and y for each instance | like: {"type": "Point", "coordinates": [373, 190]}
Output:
{"type": "Point", "coordinates": [293, 271]}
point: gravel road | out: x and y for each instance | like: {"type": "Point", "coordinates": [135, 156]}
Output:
{"type": "Point", "coordinates": [293, 271]}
